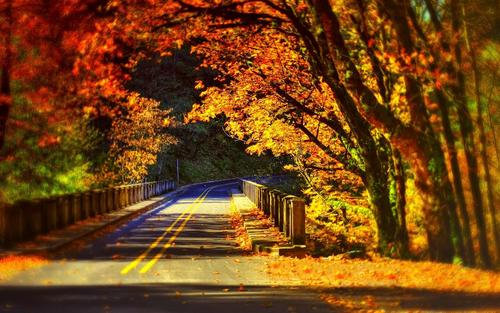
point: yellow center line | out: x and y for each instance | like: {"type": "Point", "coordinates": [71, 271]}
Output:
{"type": "Point", "coordinates": [167, 245]}
{"type": "Point", "coordinates": [141, 257]}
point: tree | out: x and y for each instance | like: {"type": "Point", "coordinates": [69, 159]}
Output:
{"type": "Point", "coordinates": [357, 83]}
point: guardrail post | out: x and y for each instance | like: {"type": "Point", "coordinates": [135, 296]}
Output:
{"type": "Point", "coordinates": [281, 218]}
{"type": "Point", "coordinates": [109, 199]}
{"type": "Point", "coordinates": [132, 194]}
{"type": "Point", "coordinates": [116, 198]}
{"type": "Point", "coordinates": [298, 221]}
{"type": "Point", "coordinates": [76, 207]}
{"type": "Point", "coordinates": [86, 203]}
{"type": "Point", "coordinates": [32, 218]}
{"type": "Point", "coordinates": [126, 196]}
{"type": "Point", "coordinates": [102, 201]}
{"type": "Point", "coordinates": [94, 207]}
{"type": "Point", "coordinates": [14, 228]}
{"type": "Point", "coordinates": [3, 222]}
{"type": "Point", "coordinates": [287, 216]}
{"type": "Point", "coordinates": [62, 211]}
{"type": "Point", "coordinates": [141, 192]}
{"type": "Point", "coordinates": [50, 214]}
{"type": "Point", "coordinates": [273, 210]}
{"type": "Point", "coordinates": [136, 193]}
{"type": "Point", "coordinates": [122, 197]}
{"type": "Point", "coordinates": [43, 215]}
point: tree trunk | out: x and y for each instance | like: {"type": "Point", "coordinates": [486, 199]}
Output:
{"type": "Point", "coordinates": [465, 122]}
{"type": "Point", "coordinates": [376, 182]}
{"type": "Point", "coordinates": [432, 179]}
{"type": "Point", "coordinates": [400, 204]}
{"type": "Point", "coordinates": [465, 231]}
{"type": "Point", "coordinates": [476, 75]}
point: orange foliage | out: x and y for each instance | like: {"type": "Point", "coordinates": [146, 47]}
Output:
{"type": "Point", "coordinates": [13, 265]}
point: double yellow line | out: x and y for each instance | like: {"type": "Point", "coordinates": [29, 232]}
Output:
{"type": "Point", "coordinates": [188, 213]}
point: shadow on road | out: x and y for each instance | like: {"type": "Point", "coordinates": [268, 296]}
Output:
{"type": "Point", "coordinates": [207, 235]}
{"type": "Point", "coordinates": [227, 298]}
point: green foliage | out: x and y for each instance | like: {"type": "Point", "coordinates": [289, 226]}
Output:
{"type": "Point", "coordinates": [43, 155]}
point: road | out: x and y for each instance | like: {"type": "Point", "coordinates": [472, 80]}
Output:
{"type": "Point", "coordinates": [178, 257]}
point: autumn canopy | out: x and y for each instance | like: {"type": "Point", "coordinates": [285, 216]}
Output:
{"type": "Point", "coordinates": [386, 110]}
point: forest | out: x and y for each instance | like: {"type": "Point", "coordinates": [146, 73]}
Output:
{"type": "Point", "coordinates": [384, 113]}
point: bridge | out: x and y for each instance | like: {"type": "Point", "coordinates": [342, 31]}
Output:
{"type": "Point", "coordinates": [178, 254]}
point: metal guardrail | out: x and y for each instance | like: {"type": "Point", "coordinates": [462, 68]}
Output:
{"type": "Point", "coordinates": [26, 219]}
{"type": "Point", "coordinates": [286, 211]}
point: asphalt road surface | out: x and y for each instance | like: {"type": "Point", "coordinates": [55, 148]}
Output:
{"type": "Point", "coordinates": [178, 257]}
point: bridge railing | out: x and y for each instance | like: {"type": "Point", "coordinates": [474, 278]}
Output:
{"type": "Point", "coordinates": [26, 219]}
{"type": "Point", "coordinates": [286, 211]}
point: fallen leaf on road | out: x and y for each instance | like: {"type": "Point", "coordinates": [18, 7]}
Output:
{"type": "Point", "coordinates": [267, 304]}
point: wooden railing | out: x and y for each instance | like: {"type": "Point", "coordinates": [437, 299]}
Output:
{"type": "Point", "coordinates": [24, 220]}
{"type": "Point", "coordinates": [286, 211]}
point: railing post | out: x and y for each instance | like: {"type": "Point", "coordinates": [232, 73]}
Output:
{"type": "Point", "coordinates": [116, 198]}
{"type": "Point", "coordinates": [3, 225]}
{"type": "Point", "coordinates": [272, 214]}
{"type": "Point", "coordinates": [14, 228]}
{"type": "Point", "coordinates": [287, 216]}
{"type": "Point", "coordinates": [109, 199]}
{"type": "Point", "coordinates": [62, 211]}
{"type": "Point", "coordinates": [142, 192]}
{"type": "Point", "coordinates": [102, 201]}
{"type": "Point", "coordinates": [31, 218]}
{"type": "Point", "coordinates": [123, 202]}
{"type": "Point", "coordinates": [281, 209]}
{"type": "Point", "coordinates": [71, 212]}
{"type": "Point", "coordinates": [76, 207]}
{"type": "Point", "coordinates": [136, 193]}
{"type": "Point", "coordinates": [3, 222]}
{"type": "Point", "coordinates": [298, 221]}
{"type": "Point", "coordinates": [94, 206]}
{"type": "Point", "coordinates": [127, 195]}
{"type": "Point", "coordinates": [50, 214]}
{"type": "Point", "coordinates": [86, 203]}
